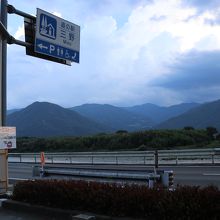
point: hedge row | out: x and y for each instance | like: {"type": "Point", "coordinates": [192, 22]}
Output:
{"type": "Point", "coordinates": [122, 200]}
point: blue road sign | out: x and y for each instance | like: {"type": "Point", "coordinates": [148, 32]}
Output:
{"type": "Point", "coordinates": [56, 51]}
{"type": "Point", "coordinates": [57, 37]}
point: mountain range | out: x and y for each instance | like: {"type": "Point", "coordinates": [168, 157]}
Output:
{"type": "Point", "coordinates": [201, 116]}
{"type": "Point", "coordinates": [114, 117]}
{"type": "Point", "coordinates": [47, 119]}
{"type": "Point", "coordinates": [158, 113]}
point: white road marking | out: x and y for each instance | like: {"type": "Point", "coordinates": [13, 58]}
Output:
{"type": "Point", "coordinates": [2, 200]}
{"type": "Point", "coordinates": [211, 174]}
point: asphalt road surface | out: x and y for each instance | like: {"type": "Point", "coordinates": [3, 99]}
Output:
{"type": "Point", "coordinates": [183, 175]}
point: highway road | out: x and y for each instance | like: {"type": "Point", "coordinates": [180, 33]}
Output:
{"type": "Point", "coordinates": [184, 175]}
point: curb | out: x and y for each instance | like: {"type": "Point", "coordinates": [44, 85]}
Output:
{"type": "Point", "coordinates": [34, 209]}
{"type": "Point", "coordinates": [56, 212]}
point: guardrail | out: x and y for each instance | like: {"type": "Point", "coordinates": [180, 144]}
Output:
{"type": "Point", "coordinates": [151, 177]}
{"type": "Point", "coordinates": [165, 157]}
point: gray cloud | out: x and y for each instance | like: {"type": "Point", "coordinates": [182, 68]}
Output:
{"type": "Point", "coordinates": [194, 70]}
{"type": "Point", "coordinates": [213, 22]}
{"type": "Point", "coordinates": [202, 5]}
{"type": "Point", "coordinates": [158, 18]}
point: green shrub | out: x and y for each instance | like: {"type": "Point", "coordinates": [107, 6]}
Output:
{"type": "Point", "coordinates": [122, 200]}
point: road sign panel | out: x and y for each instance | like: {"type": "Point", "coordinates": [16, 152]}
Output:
{"type": "Point", "coordinates": [57, 37]}
{"type": "Point", "coordinates": [7, 137]}
{"type": "Point", "coordinates": [30, 30]}
{"type": "Point", "coordinates": [54, 50]}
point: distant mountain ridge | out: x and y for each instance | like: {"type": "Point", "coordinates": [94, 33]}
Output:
{"type": "Point", "coordinates": [202, 116]}
{"type": "Point", "coordinates": [158, 113]}
{"type": "Point", "coordinates": [46, 119]}
{"type": "Point", "coordinates": [12, 111]}
{"type": "Point", "coordinates": [114, 117]}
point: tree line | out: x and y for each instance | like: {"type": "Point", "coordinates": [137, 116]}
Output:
{"type": "Point", "coordinates": [187, 137]}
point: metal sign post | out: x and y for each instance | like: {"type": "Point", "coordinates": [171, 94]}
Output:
{"type": "Point", "coordinates": [7, 141]}
{"type": "Point", "coordinates": [3, 66]}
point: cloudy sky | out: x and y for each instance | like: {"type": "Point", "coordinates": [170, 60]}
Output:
{"type": "Point", "coordinates": [131, 52]}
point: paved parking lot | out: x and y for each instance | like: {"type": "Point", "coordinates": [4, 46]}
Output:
{"type": "Point", "coordinates": [12, 215]}
{"type": "Point", "coordinates": [6, 214]}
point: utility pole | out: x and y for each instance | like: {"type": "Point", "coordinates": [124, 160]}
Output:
{"type": "Point", "coordinates": [3, 105]}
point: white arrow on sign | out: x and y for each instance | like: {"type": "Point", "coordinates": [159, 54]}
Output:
{"type": "Point", "coordinates": [42, 46]}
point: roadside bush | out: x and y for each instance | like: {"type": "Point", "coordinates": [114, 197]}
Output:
{"type": "Point", "coordinates": [122, 200]}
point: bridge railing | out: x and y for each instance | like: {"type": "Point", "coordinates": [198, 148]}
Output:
{"type": "Point", "coordinates": [165, 157]}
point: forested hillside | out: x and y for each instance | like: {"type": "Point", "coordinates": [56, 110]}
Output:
{"type": "Point", "coordinates": [43, 119]}
{"type": "Point", "coordinates": [203, 116]}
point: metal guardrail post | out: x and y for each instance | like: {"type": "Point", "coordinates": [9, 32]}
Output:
{"type": "Point", "coordinates": [176, 160]}
{"type": "Point", "coordinates": [116, 160]}
{"type": "Point", "coordinates": [213, 159]}
{"type": "Point", "coordinates": [156, 159]}
{"type": "Point", "coordinates": [20, 158]}
{"type": "Point", "coordinates": [151, 181]}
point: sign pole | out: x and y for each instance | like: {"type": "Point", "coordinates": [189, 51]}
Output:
{"type": "Point", "coordinates": [3, 108]}
{"type": "Point", "coordinates": [4, 64]}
